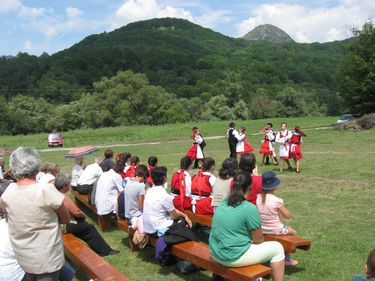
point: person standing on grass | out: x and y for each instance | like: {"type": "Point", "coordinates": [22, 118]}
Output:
{"type": "Point", "coordinates": [35, 212]}
{"type": "Point", "coordinates": [271, 209]}
{"type": "Point", "coordinates": [232, 141]}
{"type": "Point", "coordinates": [196, 150]}
{"type": "Point", "coordinates": [242, 146]}
{"type": "Point", "coordinates": [236, 238]}
{"type": "Point", "coordinates": [369, 268]}
{"type": "Point", "coordinates": [267, 147]}
{"type": "Point", "coordinates": [295, 147]}
{"type": "Point", "coordinates": [158, 209]}
{"type": "Point", "coordinates": [283, 138]}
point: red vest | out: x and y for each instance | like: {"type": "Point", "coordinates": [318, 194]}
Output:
{"type": "Point", "coordinates": [296, 139]}
{"type": "Point", "coordinates": [200, 184]}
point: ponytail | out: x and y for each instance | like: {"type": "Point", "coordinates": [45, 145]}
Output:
{"type": "Point", "coordinates": [241, 184]}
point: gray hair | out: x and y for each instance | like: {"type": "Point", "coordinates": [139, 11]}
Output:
{"type": "Point", "coordinates": [61, 180]}
{"type": "Point", "coordinates": [24, 162]}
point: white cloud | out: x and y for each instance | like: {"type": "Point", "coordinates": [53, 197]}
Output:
{"type": "Point", "coordinates": [305, 24]}
{"type": "Point", "coordinates": [73, 12]}
{"type": "Point", "coordinates": [135, 10]}
{"type": "Point", "coordinates": [7, 6]}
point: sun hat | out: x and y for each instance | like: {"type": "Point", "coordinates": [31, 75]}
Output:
{"type": "Point", "coordinates": [269, 181]}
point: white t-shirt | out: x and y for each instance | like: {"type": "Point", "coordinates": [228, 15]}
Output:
{"type": "Point", "coordinates": [212, 178]}
{"type": "Point", "coordinates": [77, 171]}
{"type": "Point", "coordinates": [34, 228]}
{"type": "Point", "coordinates": [39, 176]}
{"type": "Point", "coordinates": [90, 174]}
{"type": "Point", "coordinates": [156, 207]}
{"type": "Point", "coordinates": [9, 267]}
{"type": "Point", "coordinates": [107, 189]}
{"type": "Point", "coordinates": [46, 178]}
{"type": "Point", "coordinates": [1, 173]}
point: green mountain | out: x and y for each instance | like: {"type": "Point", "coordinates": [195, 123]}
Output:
{"type": "Point", "coordinates": [268, 32]}
{"type": "Point", "coordinates": [194, 64]}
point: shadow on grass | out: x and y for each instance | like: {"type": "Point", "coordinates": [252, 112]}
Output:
{"type": "Point", "coordinates": [289, 270]}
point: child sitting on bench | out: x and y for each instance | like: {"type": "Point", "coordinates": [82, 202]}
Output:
{"type": "Point", "coordinates": [369, 268]}
{"type": "Point", "coordinates": [271, 209]}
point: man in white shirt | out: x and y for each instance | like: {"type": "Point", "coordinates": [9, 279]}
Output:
{"type": "Point", "coordinates": [109, 185]}
{"type": "Point", "coordinates": [1, 168]}
{"type": "Point", "coordinates": [77, 171]}
{"type": "Point", "coordinates": [158, 209]}
{"type": "Point", "coordinates": [89, 176]}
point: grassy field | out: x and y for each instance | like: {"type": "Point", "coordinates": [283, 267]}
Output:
{"type": "Point", "coordinates": [331, 199]}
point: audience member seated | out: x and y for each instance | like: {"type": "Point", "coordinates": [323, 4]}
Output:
{"type": "Point", "coordinates": [369, 268]}
{"type": "Point", "coordinates": [134, 194]}
{"type": "Point", "coordinates": [37, 244]}
{"type": "Point", "coordinates": [236, 238]}
{"type": "Point", "coordinates": [201, 188]}
{"type": "Point", "coordinates": [77, 171]}
{"type": "Point", "coordinates": [124, 160]}
{"type": "Point", "coordinates": [108, 158]}
{"type": "Point", "coordinates": [158, 209]}
{"type": "Point", "coordinates": [271, 209]}
{"type": "Point", "coordinates": [152, 163]}
{"type": "Point", "coordinates": [108, 187]}
{"type": "Point", "coordinates": [134, 162]}
{"type": "Point", "coordinates": [248, 164]}
{"type": "Point", "coordinates": [89, 177]}
{"type": "Point", "coordinates": [224, 181]}
{"type": "Point", "coordinates": [51, 170]}
{"type": "Point", "coordinates": [181, 185]}
{"type": "Point", "coordinates": [77, 225]}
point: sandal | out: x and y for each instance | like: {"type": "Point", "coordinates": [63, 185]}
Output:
{"type": "Point", "coordinates": [291, 262]}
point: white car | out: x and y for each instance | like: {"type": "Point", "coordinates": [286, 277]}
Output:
{"type": "Point", "coordinates": [344, 118]}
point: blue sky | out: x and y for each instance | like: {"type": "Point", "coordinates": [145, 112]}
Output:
{"type": "Point", "coordinates": [49, 26]}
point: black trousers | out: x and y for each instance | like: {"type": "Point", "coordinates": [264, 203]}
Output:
{"type": "Point", "coordinates": [90, 235]}
{"type": "Point", "coordinates": [232, 149]}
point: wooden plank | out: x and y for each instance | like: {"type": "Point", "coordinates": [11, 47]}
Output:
{"type": "Point", "coordinates": [199, 254]}
{"type": "Point", "coordinates": [89, 262]}
{"type": "Point", "coordinates": [104, 221]}
{"type": "Point", "coordinates": [290, 243]}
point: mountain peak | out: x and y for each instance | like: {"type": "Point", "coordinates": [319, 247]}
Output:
{"type": "Point", "coordinates": [268, 32]}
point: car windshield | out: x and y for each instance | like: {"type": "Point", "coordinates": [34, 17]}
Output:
{"type": "Point", "coordinates": [55, 136]}
{"type": "Point", "coordinates": [345, 117]}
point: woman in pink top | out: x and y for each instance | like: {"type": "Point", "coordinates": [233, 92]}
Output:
{"type": "Point", "coordinates": [272, 209]}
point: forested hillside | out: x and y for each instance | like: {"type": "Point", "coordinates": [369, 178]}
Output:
{"type": "Point", "coordinates": [191, 64]}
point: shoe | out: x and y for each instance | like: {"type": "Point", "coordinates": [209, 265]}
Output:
{"type": "Point", "coordinates": [298, 171]}
{"type": "Point", "coordinates": [113, 252]}
{"type": "Point", "coordinates": [291, 262]}
{"type": "Point", "coordinates": [290, 168]}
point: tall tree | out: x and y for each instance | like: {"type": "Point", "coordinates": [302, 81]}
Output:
{"type": "Point", "coordinates": [357, 72]}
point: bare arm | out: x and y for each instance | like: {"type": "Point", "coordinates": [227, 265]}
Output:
{"type": "Point", "coordinates": [177, 214]}
{"type": "Point", "coordinates": [62, 213]}
{"type": "Point", "coordinates": [72, 208]}
{"type": "Point", "coordinates": [257, 236]}
{"type": "Point", "coordinates": [283, 211]}
{"type": "Point", "coordinates": [141, 198]}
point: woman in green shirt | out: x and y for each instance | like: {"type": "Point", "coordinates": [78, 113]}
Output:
{"type": "Point", "coordinates": [236, 238]}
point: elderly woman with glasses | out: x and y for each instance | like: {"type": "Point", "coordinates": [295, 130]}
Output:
{"type": "Point", "coordinates": [35, 211]}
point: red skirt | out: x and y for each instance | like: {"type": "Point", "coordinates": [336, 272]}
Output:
{"type": "Point", "coordinates": [265, 148]}
{"type": "Point", "coordinates": [295, 152]}
{"type": "Point", "coordinates": [193, 152]}
{"type": "Point", "coordinates": [182, 206]}
{"type": "Point", "coordinates": [203, 206]}
{"type": "Point", "coordinates": [247, 148]}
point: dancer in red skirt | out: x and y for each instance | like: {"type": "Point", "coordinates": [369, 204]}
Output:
{"type": "Point", "coordinates": [243, 146]}
{"type": "Point", "coordinates": [196, 150]}
{"type": "Point", "coordinates": [295, 147]}
{"type": "Point", "coordinates": [267, 148]}
{"type": "Point", "coordinates": [283, 138]}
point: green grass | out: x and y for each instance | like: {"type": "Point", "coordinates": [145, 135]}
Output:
{"type": "Point", "coordinates": [127, 134]}
{"type": "Point", "coordinates": [331, 199]}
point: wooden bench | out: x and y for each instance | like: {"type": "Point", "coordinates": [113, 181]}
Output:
{"type": "Point", "coordinates": [104, 222]}
{"type": "Point", "coordinates": [92, 265]}
{"type": "Point", "coordinates": [199, 254]}
{"type": "Point", "coordinates": [290, 242]}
